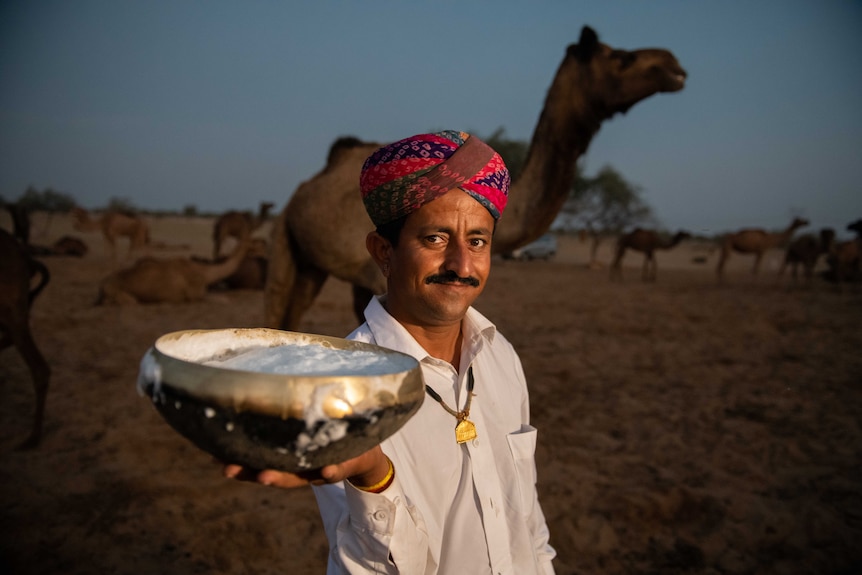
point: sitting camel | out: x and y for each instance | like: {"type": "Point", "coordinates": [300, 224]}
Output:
{"type": "Point", "coordinates": [845, 260]}
{"type": "Point", "coordinates": [17, 269]}
{"type": "Point", "coordinates": [114, 225]}
{"type": "Point", "coordinates": [806, 250]}
{"type": "Point", "coordinates": [174, 280]}
{"type": "Point", "coordinates": [755, 241]}
{"type": "Point", "coordinates": [233, 224]}
{"type": "Point", "coordinates": [646, 242]}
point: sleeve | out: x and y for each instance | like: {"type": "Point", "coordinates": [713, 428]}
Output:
{"type": "Point", "coordinates": [372, 533]}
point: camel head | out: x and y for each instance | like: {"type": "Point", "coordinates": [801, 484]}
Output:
{"type": "Point", "coordinates": [619, 79]}
{"type": "Point", "coordinates": [82, 220]}
{"type": "Point", "coordinates": [680, 236]}
{"type": "Point", "coordinates": [798, 223]}
{"type": "Point", "coordinates": [855, 227]}
{"type": "Point", "coordinates": [265, 208]}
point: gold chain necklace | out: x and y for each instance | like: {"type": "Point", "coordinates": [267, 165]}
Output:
{"type": "Point", "coordinates": [465, 430]}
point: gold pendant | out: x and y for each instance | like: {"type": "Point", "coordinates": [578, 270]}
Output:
{"type": "Point", "coordinates": [465, 431]}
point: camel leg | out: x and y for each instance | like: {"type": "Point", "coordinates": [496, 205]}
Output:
{"type": "Point", "coordinates": [306, 286]}
{"type": "Point", "coordinates": [41, 373]}
{"type": "Point", "coordinates": [756, 267]}
{"type": "Point", "coordinates": [281, 272]}
{"type": "Point", "coordinates": [719, 270]}
{"type": "Point", "coordinates": [20, 336]}
{"type": "Point", "coordinates": [361, 297]}
{"type": "Point", "coordinates": [616, 267]}
{"type": "Point", "coordinates": [651, 268]}
{"type": "Point", "coordinates": [112, 247]}
{"type": "Point", "coordinates": [366, 283]}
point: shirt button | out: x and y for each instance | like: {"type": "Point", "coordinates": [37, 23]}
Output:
{"type": "Point", "coordinates": [476, 442]}
{"type": "Point", "coordinates": [379, 515]}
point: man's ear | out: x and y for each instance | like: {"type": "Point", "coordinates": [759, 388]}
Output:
{"type": "Point", "coordinates": [379, 248]}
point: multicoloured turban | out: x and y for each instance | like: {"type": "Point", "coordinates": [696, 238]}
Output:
{"type": "Point", "coordinates": [400, 178]}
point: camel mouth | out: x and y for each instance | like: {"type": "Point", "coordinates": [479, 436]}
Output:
{"type": "Point", "coordinates": [675, 81]}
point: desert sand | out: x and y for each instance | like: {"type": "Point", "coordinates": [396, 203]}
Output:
{"type": "Point", "coordinates": [684, 427]}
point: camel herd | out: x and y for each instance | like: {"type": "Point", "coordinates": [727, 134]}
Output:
{"type": "Point", "coordinates": [320, 232]}
{"type": "Point", "coordinates": [843, 259]}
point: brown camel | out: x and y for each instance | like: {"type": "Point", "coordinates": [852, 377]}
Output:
{"type": "Point", "coordinates": [174, 280]}
{"type": "Point", "coordinates": [251, 273]}
{"type": "Point", "coordinates": [322, 229]}
{"type": "Point", "coordinates": [69, 246]}
{"type": "Point", "coordinates": [845, 260]}
{"type": "Point", "coordinates": [755, 241]}
{"type": "Point", "coordinates": [646, 242]}
{"type": "Point", "coordinates": [17, 269]}
{"type": "Point", "coordinates": [806, 250]}
{"type": "Point", "coordinates": [114, 225]}
{"type": "Point", "coordinates": [233, 224]}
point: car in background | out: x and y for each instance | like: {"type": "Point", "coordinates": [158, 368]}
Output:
{"type": "Point", "coordinates": [543, 248]}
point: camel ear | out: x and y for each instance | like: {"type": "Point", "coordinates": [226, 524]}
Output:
{"type": "Point", "coordinates": [586, 47]}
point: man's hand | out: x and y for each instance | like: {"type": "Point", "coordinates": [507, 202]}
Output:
{"type": "Point", "coordinates": [366, 469]}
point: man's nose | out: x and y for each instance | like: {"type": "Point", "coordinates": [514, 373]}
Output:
{"type": "Point", "coordinates": [458, 259]}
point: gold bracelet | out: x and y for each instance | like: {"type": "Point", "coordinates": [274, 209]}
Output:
{"type": "Point", "coordinates": [382, 484]}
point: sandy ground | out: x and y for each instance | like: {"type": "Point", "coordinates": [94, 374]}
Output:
{"type": "Point", "coordinates": [685, 427]}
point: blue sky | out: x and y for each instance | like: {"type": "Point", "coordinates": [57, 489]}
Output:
{"type": "Point", "coordinates": [223, 105]}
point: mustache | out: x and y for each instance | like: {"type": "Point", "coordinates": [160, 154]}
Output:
{"type": "Point", "coordinates": [451, 277]}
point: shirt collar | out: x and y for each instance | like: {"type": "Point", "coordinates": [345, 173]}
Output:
{"type": "Point", "coordinates": [389, 333]}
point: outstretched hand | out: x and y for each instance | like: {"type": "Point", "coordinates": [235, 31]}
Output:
{"type": "Point", "coordinates": [366, 469]}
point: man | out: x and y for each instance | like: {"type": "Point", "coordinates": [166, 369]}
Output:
{"type": "Point", "coordinates": [453, 491]}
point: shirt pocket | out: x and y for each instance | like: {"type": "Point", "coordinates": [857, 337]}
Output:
{"type": "Point", "coordinates": [522, 445]}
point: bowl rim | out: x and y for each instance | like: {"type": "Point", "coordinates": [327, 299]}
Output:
{"type": "Point", "coordinates": [264, 392]}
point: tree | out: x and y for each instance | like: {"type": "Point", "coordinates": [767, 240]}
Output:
{"type": "Point", "coordinates": [122, 206]}
{"type": "Point", "coordinates": [48, 200]}
{"type": "Point", "coordinates": [604, 205]}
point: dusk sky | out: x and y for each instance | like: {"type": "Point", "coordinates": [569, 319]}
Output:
{"type": "Point", "coordinates": [222, 105]}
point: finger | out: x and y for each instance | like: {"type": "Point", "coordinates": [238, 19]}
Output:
{"type": "Point", "coordinates": [332, 473]}
{"type": "Point", "coordinates": [240, 473]}
{"type": "Point", "coordinates": [281, 479]}
{"type": "Point", "coordinates": [231, 471]}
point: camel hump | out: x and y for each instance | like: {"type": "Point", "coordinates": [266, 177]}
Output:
{"type": "Point", "coordinates": [342, 144]}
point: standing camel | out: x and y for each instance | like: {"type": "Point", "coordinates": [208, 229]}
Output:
{"type": "Point", "coordinates": [17, 269]}
{"type": "Point", "coordinates": [173, 280]}
{"type": "Point", "coordinates": [755, 241]}
{"type": "Point", "coordinates": [806, 250]}
{"type": "Point", "coordinates": [114, 225]}
{"type": "Point", "coordinates": [845, 260]}
{"type": "Point", "coordinates": [233, 224]}
{"type": "Point", "coordinates": [322, 230]}
{"type": "Point", "coordinates": [646, 242]}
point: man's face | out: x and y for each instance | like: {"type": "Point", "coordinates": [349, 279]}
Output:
{"type": "Point", "coordinates": [442, 261]}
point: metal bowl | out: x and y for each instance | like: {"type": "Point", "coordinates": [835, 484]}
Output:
{"type": "Point", "coordinates": [291, 416]}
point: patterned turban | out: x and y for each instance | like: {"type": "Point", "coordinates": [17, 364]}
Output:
{"type": "Point", "coordinates": [400, 178]}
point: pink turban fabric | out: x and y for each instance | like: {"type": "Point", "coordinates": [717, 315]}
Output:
{"type": "Point", "coordinates": [400, 178]}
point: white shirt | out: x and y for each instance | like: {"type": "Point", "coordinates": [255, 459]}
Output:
{"type": "Point", "coordinates": [452, 508]}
